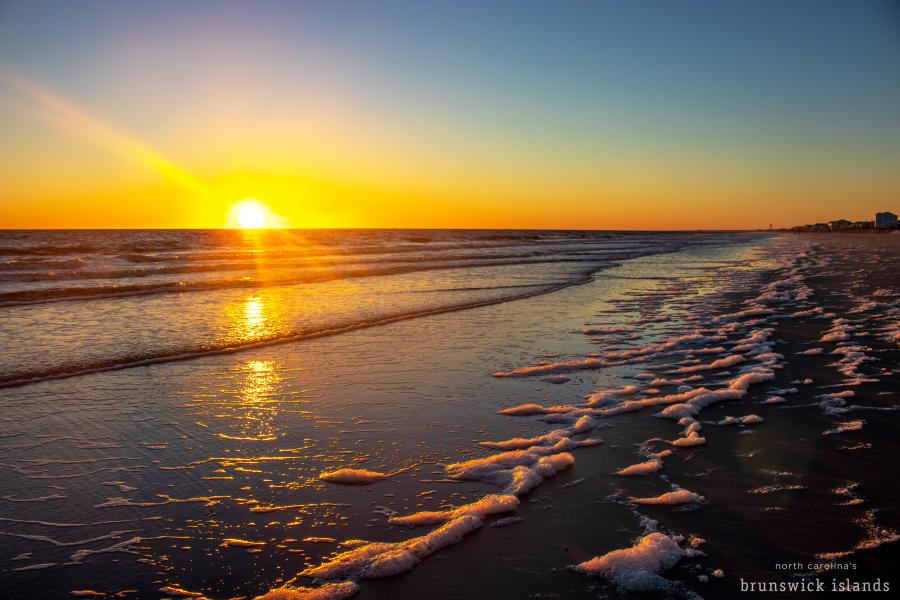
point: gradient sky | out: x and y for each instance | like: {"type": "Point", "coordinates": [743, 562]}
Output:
{"type": "Point", "coordinates": [582, 115]}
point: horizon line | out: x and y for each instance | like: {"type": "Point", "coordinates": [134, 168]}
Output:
{"type": "Point", "coordinates": [261, 229]}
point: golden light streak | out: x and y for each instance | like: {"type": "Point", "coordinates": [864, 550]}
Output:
{"type": "Point", "coordinates": [65, 116]}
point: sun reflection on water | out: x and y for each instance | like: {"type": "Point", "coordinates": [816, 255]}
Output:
{"type": "Point", "coordinates": [249, 319]}
{"type": "Point", "coordinates": [254, 316]}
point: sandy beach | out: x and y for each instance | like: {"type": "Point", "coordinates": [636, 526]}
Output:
{"type": "Point", "coordinates": [686, 422]}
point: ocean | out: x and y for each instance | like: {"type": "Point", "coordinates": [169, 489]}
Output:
{"type": "Point", "coordinates": [94, 300]}
{"type": "Point", "coordinates": [441, 414]}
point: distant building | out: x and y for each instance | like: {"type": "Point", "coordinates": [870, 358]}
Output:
{"type": "Point", "coordinates": [821, 227]}
{"type": "Point", "coordinates": [839, 225]}
{"type": "Point", "coordinates": [885, 220]}
{"type": "Point", "coordinates": [858, 225]}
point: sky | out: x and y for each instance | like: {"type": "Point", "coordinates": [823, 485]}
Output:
{"type": "Point", "coordinates": [558, 115]}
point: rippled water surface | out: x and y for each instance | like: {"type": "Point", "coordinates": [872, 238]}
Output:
{"type": "Point", "coordinates": [100, 299]}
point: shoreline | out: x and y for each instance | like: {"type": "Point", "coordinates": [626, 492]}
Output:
{"type": "Point", "coordinates": [793, 535]}
{"type": "Point", "coordinates": [581, 512]}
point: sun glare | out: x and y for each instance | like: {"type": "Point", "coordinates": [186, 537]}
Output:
{"type": "Point", "coordinates": [250, 213]}
{"type": "Point", "coordinates": [251, 217]}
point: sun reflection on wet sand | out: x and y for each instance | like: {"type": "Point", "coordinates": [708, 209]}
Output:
{"type": "Point", "coordinates": [249, 413]}
{"type": "Point", "coordinates": [256, 410]}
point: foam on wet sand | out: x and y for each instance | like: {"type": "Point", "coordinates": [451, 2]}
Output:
{"type": "Point", "coordinates": [638, 568]}
{"type": "Point", "coordinates": [644, 468]}
{"type": "Point", "coordinates": [491, 504]}
{"type": "Point", "coordinates": [328, 591]}
{"type": "Point", "coordinates": [385, 559]}
{"type": "Point", "coordinates": [671, 498]}
{"type": "Point", "coordinates": [352, 476]}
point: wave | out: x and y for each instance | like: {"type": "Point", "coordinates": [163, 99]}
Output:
{"type": "Point", "coordinates": [18, 243]}
{"type": "Point", "coordinates": [48, 250]}
{"type": "Point", "coordinates": [273, 262]}
{"type": "Point", "coordinates": [178, 354]}
{"type": "Point", "coordinates": [27, 264]}
{"type": "Point", "coordinates": [43, 295]}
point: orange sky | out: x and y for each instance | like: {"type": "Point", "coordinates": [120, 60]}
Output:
{"type": "Point", "coordinates": [75, 170]}
{"type": "Point", "coordinates": [356, 124]}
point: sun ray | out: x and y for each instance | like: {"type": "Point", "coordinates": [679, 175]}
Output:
{"type": "Point", "coordinates": [65, 116]}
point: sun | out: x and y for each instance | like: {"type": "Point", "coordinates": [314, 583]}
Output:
{"type": "Point", "coordinates": [250, 213]}
{"type": "Point", "coordinates": [251, 216]}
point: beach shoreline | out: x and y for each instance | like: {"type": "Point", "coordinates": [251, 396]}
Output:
{"type": "Point", "coordinates": [777, 498]}
{"type": "Point", "coordinates": [413, 425]}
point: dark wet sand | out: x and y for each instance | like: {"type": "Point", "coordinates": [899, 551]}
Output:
{"type": "Point", "coordinates": [774, 537]}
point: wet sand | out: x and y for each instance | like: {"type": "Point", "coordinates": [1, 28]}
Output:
{"type": "Point", "coordinates": [786, 502]}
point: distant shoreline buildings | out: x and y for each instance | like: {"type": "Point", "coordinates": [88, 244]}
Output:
{"type": "Point", "coordinates": [884, 221]}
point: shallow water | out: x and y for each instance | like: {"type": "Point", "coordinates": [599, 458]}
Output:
{"type": "Point", "coordinates": [152, 469]}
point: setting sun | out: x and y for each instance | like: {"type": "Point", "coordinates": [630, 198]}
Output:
{"type": "Point", "coordinates": [250, 214]}
{"type": "Point", "coordinates": [251, 217]}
